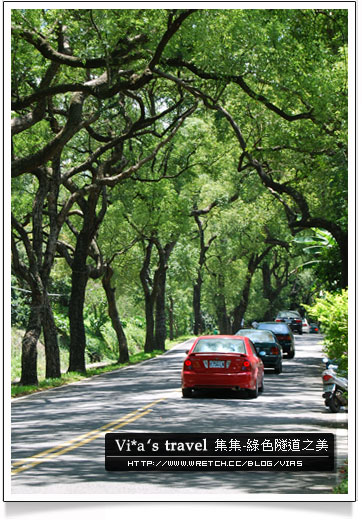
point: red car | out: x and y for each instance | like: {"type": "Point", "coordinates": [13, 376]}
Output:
{"type": "Point", "coordinates": [222, 362]}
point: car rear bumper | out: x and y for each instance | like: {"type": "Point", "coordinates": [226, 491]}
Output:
{"type": "Point", "coordinates": [287, 347]}
{"type": "Point", "coordinates": [271, 361]}
{"type": "Point", "coordinates": [296, 328]}
{"type": "Point", "coordinates": [200, 380]}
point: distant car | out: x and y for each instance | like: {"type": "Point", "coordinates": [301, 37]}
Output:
{"type": "Point", "coordinates": [313, 328]}
{"type": "Point", "coordinates": [267, 346]}
{"type": "Point", "coordinates": [305, 325]}
{"type": "Point", "coordinates": [283, 334]}
{"type": "Point", "coordinates": [216, 362]}
{"type": "Point", "coordinates": [293, 318]}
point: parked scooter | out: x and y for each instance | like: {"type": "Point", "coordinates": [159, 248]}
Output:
{"type": "Point", "coordinates": [334, 387]}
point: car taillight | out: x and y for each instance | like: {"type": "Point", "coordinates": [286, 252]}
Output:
{"type": "Point", "coordinates": [298, 321]}
{"type": "Point", "coordinates": [278, 320]}
{"type": "Point", "coordinates": [275, 350]}
{"type": "Point", "coordinates": [285, 337]}
{"type": "Point", "coordinates": [188, 364]}
{"type": "Point", "coordinates": [326, 377]}
{"type": "Point", "coordinates": [246, 366]}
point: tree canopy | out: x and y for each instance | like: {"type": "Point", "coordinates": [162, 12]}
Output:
{"type": "Point", "coordinates": [174, 159]}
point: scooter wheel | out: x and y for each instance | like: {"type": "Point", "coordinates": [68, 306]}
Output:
{"type": "Point", "coordinates": [334, 404]}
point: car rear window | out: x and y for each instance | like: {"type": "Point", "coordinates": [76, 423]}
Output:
{"type": "Point", "coordinates": [220, 345]}
{"type": "Point", "coordinates": [289, 314]}
{"type": "Point", "coordinates": [259, 336]}
{"type": "Point", "coordinates": [277, 328]}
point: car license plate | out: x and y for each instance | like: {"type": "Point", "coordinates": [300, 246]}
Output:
{"type": "Point", "coordinates": [216, 364]}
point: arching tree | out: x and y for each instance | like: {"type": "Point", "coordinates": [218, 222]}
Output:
{"type": "Point", "coordinates": [289, 122]}
{"type": "Point", "coordinates": [198, 127]}
{"type": "Point", "coordinates": [87, 74]}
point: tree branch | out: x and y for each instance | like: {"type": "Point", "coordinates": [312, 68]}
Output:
{"type": "Point", "coordinates": [73, 125]}
{"type": "Point", "coordinates": [125, 174]}
{"type": "Point", "coordinates": [43, 46]}
{"type": "Point", "coordinates": [239, 80]}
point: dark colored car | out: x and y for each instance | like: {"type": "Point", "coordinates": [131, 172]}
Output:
{"type": "Point", "coordinates": [283, 334]}
{"type": "Point", "coordinates": [267, 346]}
{"type": "Point", "coordinates": [293, 318]}
{"type": "Point", "coordinates": [215, 362]}
{"type": "Point", "coordinates": [313, 328]}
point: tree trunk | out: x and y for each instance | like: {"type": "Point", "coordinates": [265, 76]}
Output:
{"type": "Point", "coordinates": [80, 276]}
{"type": "Point", "coordinates": [154, 291]}
{"type": "Point", "coordinates": [123, 356]}
{"type": "Point", "coordinates": [198, 321]}
{"type": "Point", "coordinates": [52, 358]}
{"type": "Point", "coordinates": [49, 328]}
{"type": "Point", "coordinates": [149, 298]}
{"type": "Point", "coordinates": [160, 321]}
{"type": "Point", "coordinates": [197, 305]}
{"type": "Point", "coordinates": [343, 248]}
{"type": "Point", "coordinates": [240, 309]}
{"type": "Point", "coordinates": [223, 320]}
{"type": "Point", "coordinates": [160, 293]}
{"type": "Point", "coordinates": [76, 306]}
{"type": "Point", "coordinates": [29, 354]}
{"type": "Point", "coordinates": [271, 293]}
{"type": "Point", "coordinates": [150, 322]}
{"type": "Point", "coordinates": [171, 319]}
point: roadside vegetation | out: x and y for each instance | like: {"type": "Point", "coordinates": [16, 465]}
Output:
{"type": "Point", "coordinates": [331, 311]}
{"type": "Point", "coordinates": [342, 487]}
{"type": "Point", "coordinates": [18, 390]}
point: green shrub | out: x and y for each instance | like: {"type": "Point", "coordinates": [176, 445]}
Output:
{"type": "Point", "coordinates": [134, 329]}
{"type": "Point", "coordinates": [20, 309]}
{"type": "Point", "coordinates": [332, 312]}
{"type": "Point", "coordinates": [342, 487]}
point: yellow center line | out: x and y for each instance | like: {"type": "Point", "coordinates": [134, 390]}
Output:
{"type": "Point", "coordinates": [82, 439]}
{"type": "Point", "coordinates": [55, 448]}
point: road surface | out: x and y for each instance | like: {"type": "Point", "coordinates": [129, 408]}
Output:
{"type": "Point", "coordinates": [58, 435]}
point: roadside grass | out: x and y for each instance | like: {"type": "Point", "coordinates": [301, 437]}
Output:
{"type": "Point", "coordinates": [16, 339]}
{"type": "Point", "coordinates": [66, 378]}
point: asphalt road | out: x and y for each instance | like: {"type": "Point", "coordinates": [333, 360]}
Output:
{"type": "Point", "coordinates": [58, 435]}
